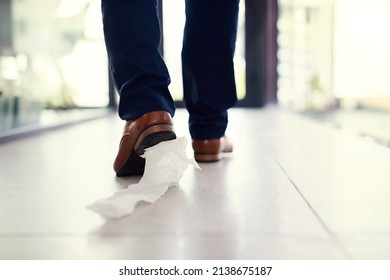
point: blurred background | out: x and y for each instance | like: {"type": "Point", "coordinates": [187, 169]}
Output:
{"type": "Point", "coordinates": [327, 59]}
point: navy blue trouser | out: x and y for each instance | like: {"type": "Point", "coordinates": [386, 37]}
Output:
{"type": "Point", "coordinates": [132, 36]}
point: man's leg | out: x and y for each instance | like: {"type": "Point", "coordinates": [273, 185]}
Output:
{"type": "Point", "coordinates": [132, 36]}
{"type": "Point", "coordinates": [208, 73]}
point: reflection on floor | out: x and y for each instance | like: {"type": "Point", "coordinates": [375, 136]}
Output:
{"type": "Point", "coordinates": [370, 123]}
{"type": "Point", "coordinates": [294, 188]}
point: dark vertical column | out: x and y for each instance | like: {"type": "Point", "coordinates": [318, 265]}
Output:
{"type": "Point", "coordinates": [271, 49]}
{"type": "Point", "coordinates": [260, 52]}
{"type": "Point", "coordinates": [6, 25]}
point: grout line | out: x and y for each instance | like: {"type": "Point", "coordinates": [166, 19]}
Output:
{"type": "Point", "coordinates": [323, 224]}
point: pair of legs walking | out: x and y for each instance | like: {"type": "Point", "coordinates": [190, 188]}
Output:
{"type": "Point", "coordinates": [132, 36]}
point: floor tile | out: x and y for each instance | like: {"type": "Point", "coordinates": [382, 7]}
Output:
{"type": "Point", "coordinates": [292, 189]}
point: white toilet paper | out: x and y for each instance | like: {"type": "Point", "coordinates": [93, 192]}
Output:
{"type": "Point", "coordinates": [165, 166]}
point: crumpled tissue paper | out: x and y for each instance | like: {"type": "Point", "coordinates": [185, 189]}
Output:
{"type": "Point", "coordinates": [164, 167]}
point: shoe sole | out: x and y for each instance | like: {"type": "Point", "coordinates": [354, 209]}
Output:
{"type": "Point", "coordinates": [149, 137]}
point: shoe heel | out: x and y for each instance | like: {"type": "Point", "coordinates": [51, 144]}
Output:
{"type": "Point", "coordinates": [134, 165]}
{"type": "Point", "coordinates": [150, 137]}
{"type": "Point", "coordinates": [153, 135]}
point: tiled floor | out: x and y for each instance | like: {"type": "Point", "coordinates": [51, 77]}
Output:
{"type": "Point", "coordinates": [294, 188]}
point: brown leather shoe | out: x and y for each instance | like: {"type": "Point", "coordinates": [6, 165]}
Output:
{"type": "Point", "coordinates": [144, 132]}
{"type": "Point", "coordinates": [211, 150]}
